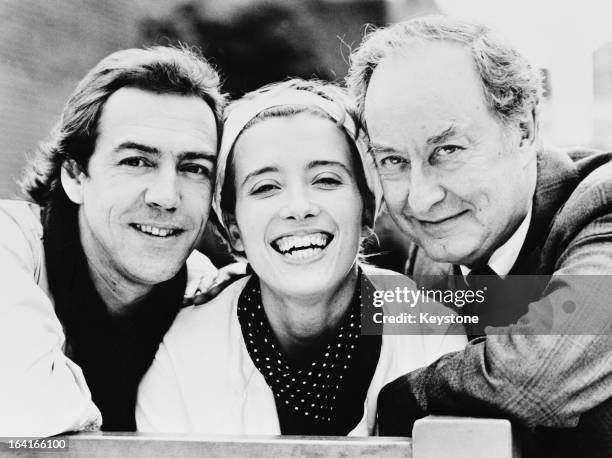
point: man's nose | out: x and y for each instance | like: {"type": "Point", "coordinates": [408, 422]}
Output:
{"type": "Point", "coordinates": [163, 189]}
{"type": "Point", "coordinates": [299, 205]}
{"type": "Point", "coordinates": [425, 191]}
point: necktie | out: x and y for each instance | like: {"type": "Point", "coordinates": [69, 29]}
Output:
{"type": "Point", "coordinates": [484, 281]}
{"type": "Point", "coordinates": [482, 276]}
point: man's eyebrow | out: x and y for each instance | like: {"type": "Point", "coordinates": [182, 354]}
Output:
{"type": "Point", "coordinates": [195, 155]}
{"type": "Point", "coordinates": [320, 163]}
{"type": "Point", "coordinates": [137, 146]}
{"type": "Point", "coordinates": [260, 171]}
{"type": "Point", "coordinates": [375, 148]}
{"type": "Point", "coordinates": [184, 155]}
{"type": "Point", "coordinates": [442, 136]}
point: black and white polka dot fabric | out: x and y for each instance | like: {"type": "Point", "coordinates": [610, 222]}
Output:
{"type": "Point", "coordinates": [307, 393]}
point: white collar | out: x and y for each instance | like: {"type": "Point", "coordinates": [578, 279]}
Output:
{"type": "Point", "coordinates": [502, 259]}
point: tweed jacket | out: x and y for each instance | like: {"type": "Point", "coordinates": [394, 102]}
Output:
{"type": "Point", "coordinates": [540, 381]}
{"type": "Point", "coordinates": [42, 392]}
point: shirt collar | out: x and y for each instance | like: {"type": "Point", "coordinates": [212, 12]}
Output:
{"type": "Point", "coordinates": [502, 259]}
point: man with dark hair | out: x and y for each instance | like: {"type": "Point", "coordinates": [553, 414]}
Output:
{"type": "Point", "coordinates": [451, 110]}
{"type": "Point", "coordinates": [94, 268]}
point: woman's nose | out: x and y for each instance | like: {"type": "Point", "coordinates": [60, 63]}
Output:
{"type": "Point", "coordinates": [299, 206]}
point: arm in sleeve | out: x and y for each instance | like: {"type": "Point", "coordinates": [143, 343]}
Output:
{"type": "Point", "coordinates": [525, 372]}
{"type": "Point", "coordinates": [42, 392]}
{"type": "Point", "coordinates": [160, 406]}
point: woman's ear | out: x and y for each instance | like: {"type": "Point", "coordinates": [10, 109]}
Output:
{"type": "Point", "coordinates": [233, 232]}
{"type": "Point", "coordinates": [72, 178]}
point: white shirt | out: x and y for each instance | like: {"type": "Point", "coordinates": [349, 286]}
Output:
{"type": "Point", "coordinates": [502, 259]}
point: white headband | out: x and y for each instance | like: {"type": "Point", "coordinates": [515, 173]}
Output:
{"type": "Point", "coordinates": [242, 111]}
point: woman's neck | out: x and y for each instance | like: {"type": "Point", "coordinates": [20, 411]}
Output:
{"type": "Point", "coordinates": [302, 325]}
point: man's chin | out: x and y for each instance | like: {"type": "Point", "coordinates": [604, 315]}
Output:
{"type": "Point", "coordinates": [147, 275]}
{"type": "Point", "coordinates": [457, 255]}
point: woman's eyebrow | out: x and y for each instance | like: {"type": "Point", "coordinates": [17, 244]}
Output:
{"type": "Point", "coordinates": [259, 172]}
{"type": "Point", "coordinates": [320, 163]}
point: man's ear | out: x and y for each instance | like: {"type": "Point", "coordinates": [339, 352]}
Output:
{"type": "Point", "coordinates": [234, 232]}
{"type": "Point", "coordinates": [528, 130]}
{"type": "Point", "coordinates": [528, 127]}
{"type": "Point", "coordinates": [72, 178]}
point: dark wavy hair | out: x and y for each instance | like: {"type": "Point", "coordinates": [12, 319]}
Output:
{"type": "Point", "coordinates": [159, 69]}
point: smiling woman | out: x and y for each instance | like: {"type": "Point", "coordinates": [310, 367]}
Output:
{"type": "Point", "coordinates": [282, 351]}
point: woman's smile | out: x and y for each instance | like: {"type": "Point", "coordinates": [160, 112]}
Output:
{"type": "Point", "coordinates": [302, 246]}
{"type": "Point", "coordinates": [298, 214]}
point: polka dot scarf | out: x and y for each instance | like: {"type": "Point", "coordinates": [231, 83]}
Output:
{"type": "Point", "coordinates": [311, 395]}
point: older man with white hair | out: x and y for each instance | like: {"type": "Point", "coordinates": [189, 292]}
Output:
{"type": "Point", "coordinates": [451, 110]}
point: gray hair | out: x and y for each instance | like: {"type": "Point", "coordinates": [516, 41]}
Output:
{"type": "Point", "coordinates": [512, 87]}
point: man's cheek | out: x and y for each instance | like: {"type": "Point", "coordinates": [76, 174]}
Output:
{"type": "Point", "coordinates": [395, 195]}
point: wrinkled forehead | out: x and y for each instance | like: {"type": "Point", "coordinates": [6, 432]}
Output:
{"type": "Point", "coordinates": [422, 73]}
{"type": "Point", "coordinates": [424, 89]}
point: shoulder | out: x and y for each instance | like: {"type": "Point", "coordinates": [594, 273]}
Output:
{"type": "Point", "coordinates": [199, 263]}
{"type": "Point", "coordinates": [372, 270]}
{"type": "Point", "coordinates": [592, 196]}
{"type": "Point", "coordinates": [385, 278]}
{"type": "Point", "coordinates": [22, 232]}
{"type": "Point", "coordinates": [202, 339]}
{"type": "Point", "coordinates": [21, 214]}
{"type": "Point", "coordinates": [198, 267]}
{"type": "Point", "coordinates": [575, 210]}
{"type": "Point", "coordinates": [581, 171]}
{"type": "Point", "coordinates": [210, 317]}
{"type": "Point", "coordinates": [596, 180]}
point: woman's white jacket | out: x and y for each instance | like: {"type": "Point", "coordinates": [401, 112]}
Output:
{"type": "Point", "coordinates": [203, 380]}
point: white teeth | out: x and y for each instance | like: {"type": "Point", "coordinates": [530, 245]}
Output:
{"type": "Point", "coordinates": [160, 232]}
{"type": "Point", "coordinates": [292, 242]}
{"type": "Point", "coordinates": [303, 254]}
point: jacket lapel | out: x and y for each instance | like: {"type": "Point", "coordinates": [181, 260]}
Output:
{"type": "Point", "coordinates": [557, 178]}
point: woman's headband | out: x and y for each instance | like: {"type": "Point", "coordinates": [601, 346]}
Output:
{"type": "Point", "coordinates": [241, 112]}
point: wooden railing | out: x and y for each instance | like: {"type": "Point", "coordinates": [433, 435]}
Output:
{"type": "Point", "coordinates": [433, 437]}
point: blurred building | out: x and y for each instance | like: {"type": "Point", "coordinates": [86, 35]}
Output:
{"type": "Point", "coordinates": [255, 42]}
{"type": "Point", "coordinates": [45, 48]}
{"type": "Point", "coordinates": [602, 75]}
